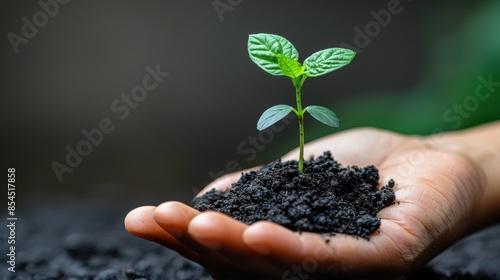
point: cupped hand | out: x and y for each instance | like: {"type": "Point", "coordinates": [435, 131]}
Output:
{"type": "Point", "coordinates": [437, 193]}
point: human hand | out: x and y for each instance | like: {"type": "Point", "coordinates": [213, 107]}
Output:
{"type": "Point", "coordinates": [437, 191]}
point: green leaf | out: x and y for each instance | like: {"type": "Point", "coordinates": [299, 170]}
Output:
{"type": "Point", "coordinates": [273, 115]}
{"type": "Point", "coordinates": [263, 49]}
{"type": "Point", "coordinates": [289, 66]}
{"type": "Point", "coordinates": [326, 61]}
{"type": "Point", "coordinates": [324, 115]}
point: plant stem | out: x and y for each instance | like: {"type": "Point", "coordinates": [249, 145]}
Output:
{"type": "Point", "coordinates": [300, 116]}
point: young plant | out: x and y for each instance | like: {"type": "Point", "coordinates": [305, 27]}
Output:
{"type": "Point", "coordinates": [278, 57]}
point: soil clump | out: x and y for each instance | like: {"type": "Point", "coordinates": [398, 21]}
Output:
{"type": "Point", "coordinates": [325, 198]}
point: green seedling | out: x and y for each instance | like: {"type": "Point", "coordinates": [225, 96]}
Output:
{"type": "Point", "coordinates": [278, 57]}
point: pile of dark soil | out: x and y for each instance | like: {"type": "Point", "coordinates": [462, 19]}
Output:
{"type": "Point", "coordinates": [325, 198]}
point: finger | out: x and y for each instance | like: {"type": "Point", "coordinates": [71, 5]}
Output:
{"type": "Point", "coordinates": [387, 255]}
{"type": "Point", "coordinates": [309, 254]}
{"type": "Point", "coordinates": [174, 217]}
{"type": "Point", "coordinates": [140, 223]}
{"type": "Point", "coordinates": [304, 255]}
{"type": "Point", "coordinates": [224, 234]}
{"type": "Point", "coordinates": [212, 229]}
{"type": "Point", "coordinates": [270, 239]}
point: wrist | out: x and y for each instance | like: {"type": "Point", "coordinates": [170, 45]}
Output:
{"type": "Point", "coordinates": [481, 147]}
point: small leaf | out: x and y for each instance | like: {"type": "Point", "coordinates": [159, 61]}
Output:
{"type": "Point", "coordinates": [324, 115]}
{"type": "Point", "coordinates": [326, 61]}
{"type": "Point", "coordinates": [290, 67]}
{"type": "Point", "coordinates": [273, 115]}
{"type": "Point", "coordinates": [263, 49]}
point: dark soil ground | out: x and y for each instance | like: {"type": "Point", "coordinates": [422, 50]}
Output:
{"type": "Point", "coordinates": [325, 198]}
{"type": "Point", "coordinates": [87, 240]}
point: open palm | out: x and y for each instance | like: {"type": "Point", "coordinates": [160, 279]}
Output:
{"type": "Point", "coordinates": [436, 193]}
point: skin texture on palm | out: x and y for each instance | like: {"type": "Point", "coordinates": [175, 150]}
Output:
{"type": "Point", "coordinates": [438, 188]}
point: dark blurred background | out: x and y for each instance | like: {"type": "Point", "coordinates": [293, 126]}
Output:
{"type": "Point", "coordinates": [63, 65]}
